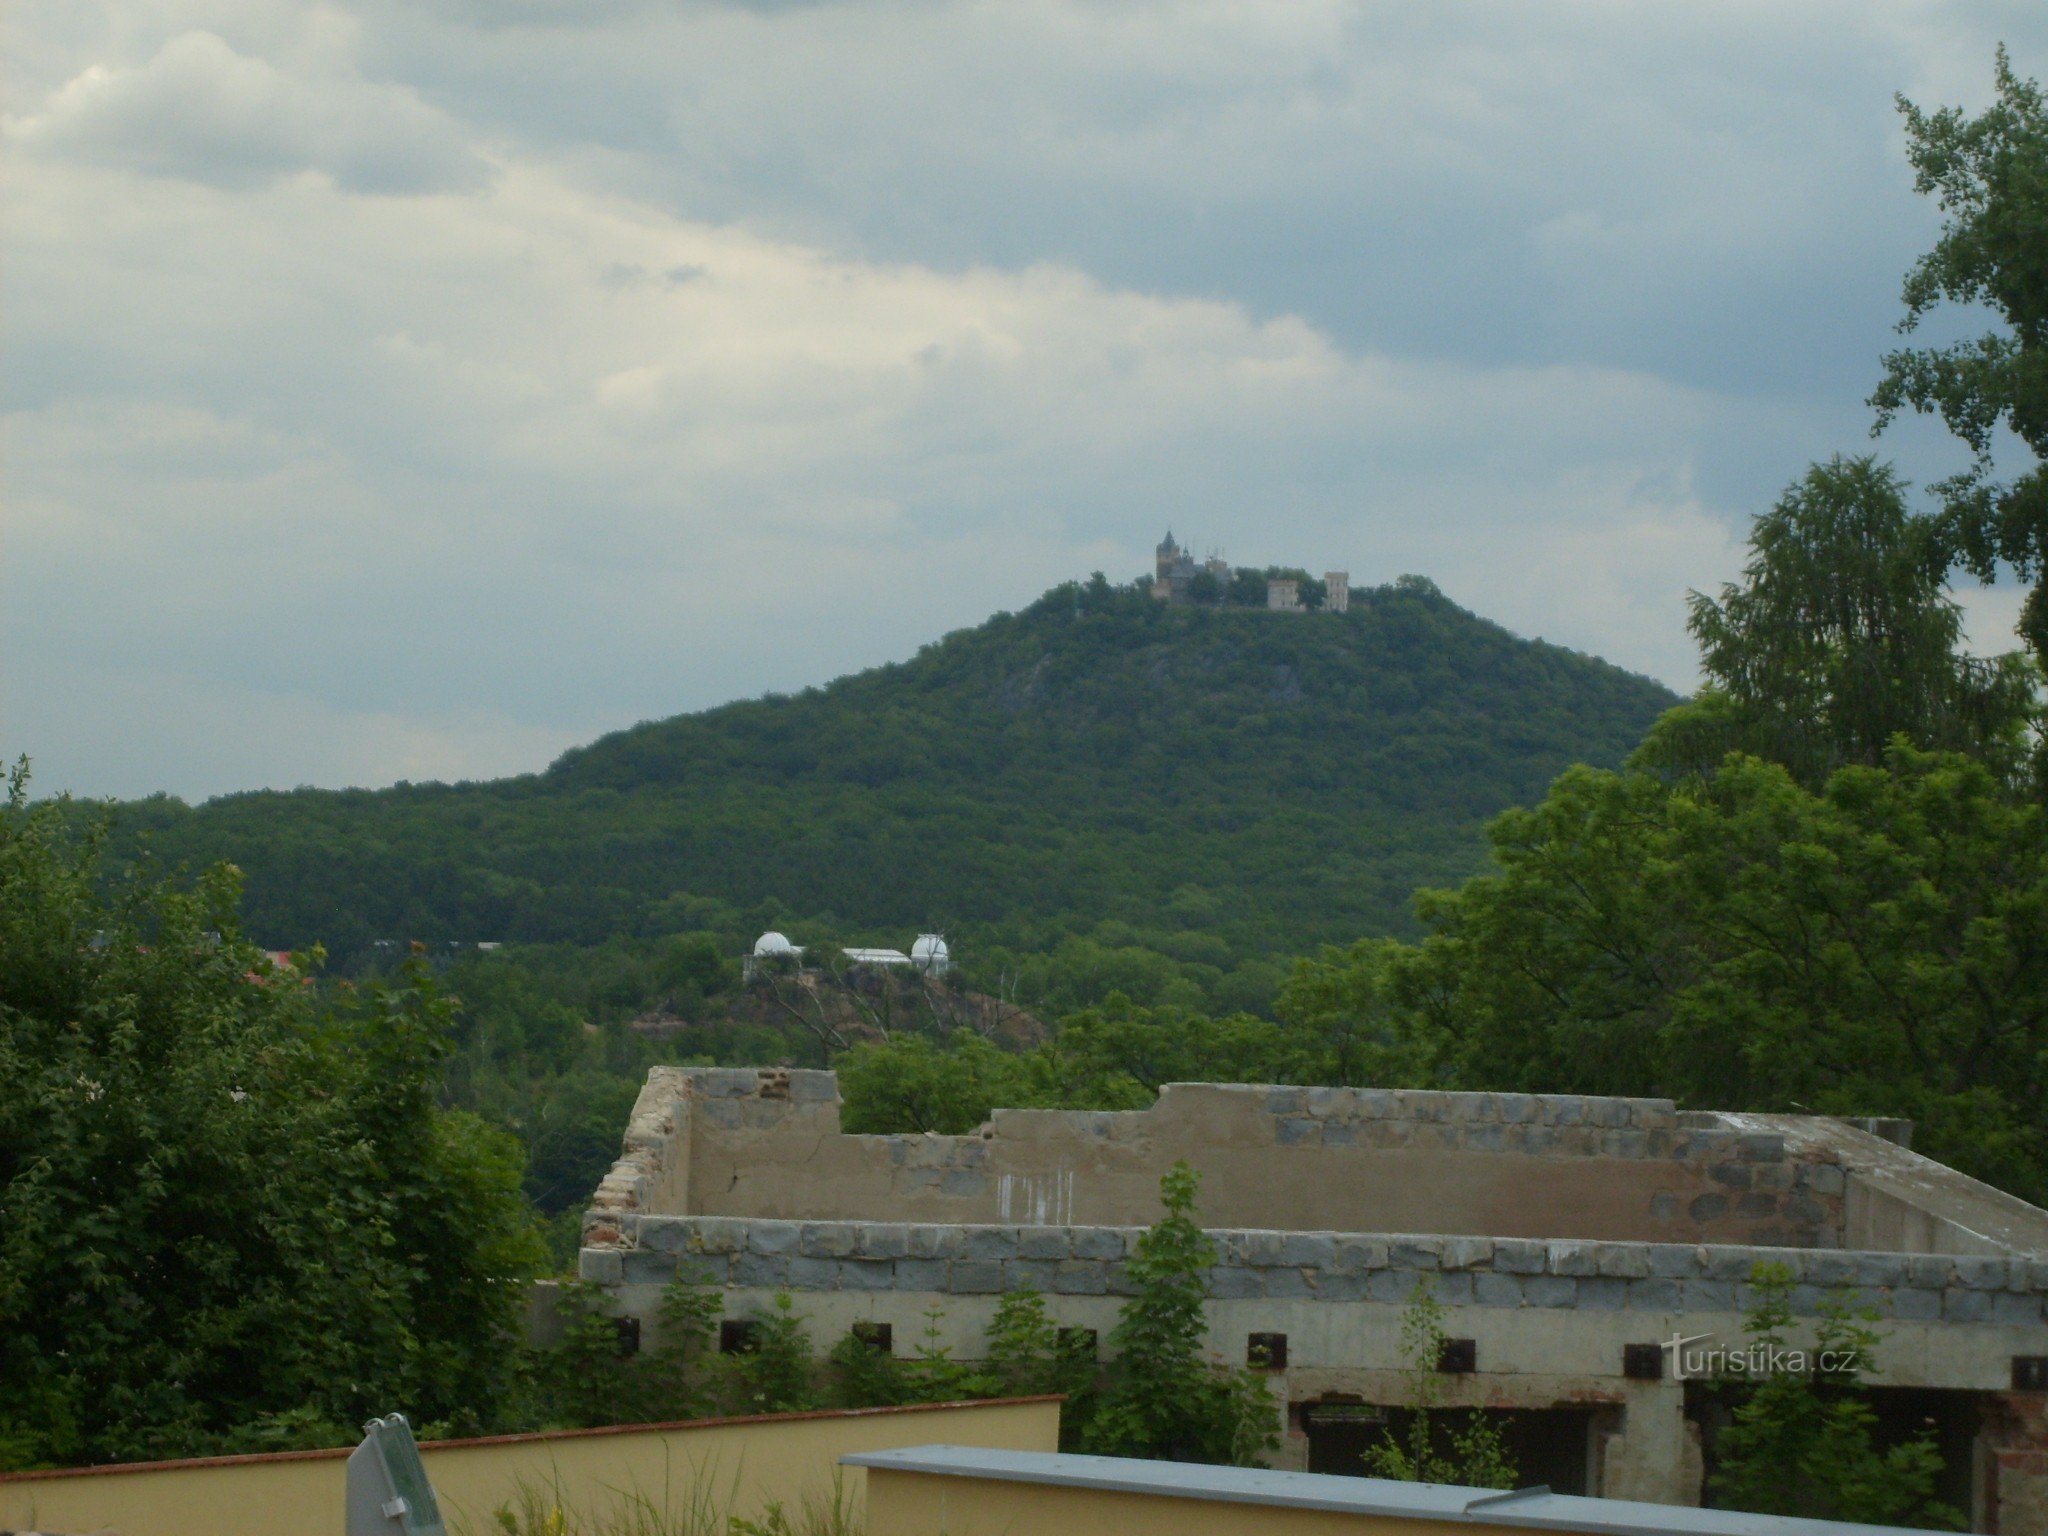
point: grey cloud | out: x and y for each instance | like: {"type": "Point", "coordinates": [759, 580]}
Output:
{"type": "Point", "coordinates": [201, 111]}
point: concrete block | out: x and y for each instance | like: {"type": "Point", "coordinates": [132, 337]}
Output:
{"type": "Point", "coordinates": [1355, 1254]}
{"type": "Point", "coordinates": [773, 1237]}
{"type": "Point", "coordinates": [761, 1271]}
{"type": "Point", "coordinates": [1338, 1286]}
{"type": "Point", "coordinates": [1760, 1147]}
{"type": "Point", "coordinates": [977, 1277]}
{"type": "Point", "coordinates": [662, 1234]}
{"type": "Point", "coordinates": [884, 1240]}
{"type": "Point", "coordinates": [2015, 1309]}
{"type": "Point", "coordinates": [989, 1243]}
{"type": "Point", "coordinates": [1317, 1250]}
{"type": "Point", "coordinates": [1804, 1209]}
{"type": "Point", "coordinates": [1665, 1207]}
{"type": "Point", "coordinates": [1393, 1286]}
{"type": "Point", "coordinates": [1674, 1261]}
{"type": "Point", "coordinates": [1980, 1273]}
{"type": "Point", "coordinates": [1916, 1304]}
{"type": "Point", "coordinates": [1375, 1103]}
{"type": "Point", "coordinates": [1708, 1207]}
{"type": "Point", "coordinates": [1233, 1282]}
{"type": "Point", "coordinates": [1097, 1243]}
{"type": "Point", "coordinates": [642, 1267]}
{"type": "Point", "coordinates": [1958, 1305]}
{"type": "Point", "coordinates": [1734, 1175]}
{"type": "Point", "coordinates": [813, 1274]}
{"type": "Point", "coordinates": [808, 1086]}
{"type": "Point", "coordinates": [828, 1240]}
{"type": "Point", "coordinates": [1286, 1101]}
{"type": "Point", "coordinates": [922, 1275]}
{"type": "Point", "coordinates": [1806, 1300]}
{"type": "Point", "coordinates": [1627, 1261]}
{"type": "Point", "coordinates": [1324, 1102]}
{"type": "Point", "coordinates": [1080, 1277]}
{"type": "Point", "coordinates": [1284, 1282]}
{"type": "Point", "coordinates": [727, 1082]}
{"type": "Point", "coordinates": [1298, 1130]}
{"type": "Point", "coordinates": [1573, 1256]}
{"type": "Point", "coordinates": [1930, 1270]}
{"type": "Point", "coordinates": [1516, 1108]}
{"type": "Point", "coordinates": [1485, 1138]}
{"type": "Point", "coordinates": [1561, 1108]}
{"type": "Point", "coordinates": [1629, 1144]}
{"type": "Point", "coordinates": [1494, 1290]}
{"type": "Point", "coordinates": [1657, 1294]}
{"type": "Point", "coordinates": [1608, 1114]}
{"type": "Point", "coordinates": [867, 1274]}
{"type": "Point", "coordinates": [1416, 1253]}
{"type": "Point", "coordinates": [1467, 1252]}
{"type": "Point", "coordinates": [1875, 1270]}
{"type": "Point", "coordinates": [1044, 1243]}
{"type": "Point", "coordinates": [928, 1241]}
{"type": "Point", "coordinates": [1823, 1179]}
{"type": "Point", "coordinates": [1708, 1296]}
{"type": "Point", "coordinates": [1831, 1269]}
{"type": "Point", "coordinates": [1427, 1104]}
{"type": "Point", "coordinates": [1458, 1288]}
{"type": "Point", "coordinates": [963, 1182]}
{"type": "Point", "coordinates": [1340, 1133]}
{"type": "Point", "coordinates": [1520, 1256]}
{"type": "Point", "coordinates": [1603, 1293]}
{"type": "Point", "coordinates": [2036, 1276]}
{"type": "Point", "coordinates": [1550, 1291]}
{"type": "Point", "coordinates": [1756, 1207]}
{"type": "Point", "coordinates": [1118, 1276]}
{"type": "Point", "coordinates": [601, 1266]}
{"type": "Point", "coordinates": [1029, 1274]}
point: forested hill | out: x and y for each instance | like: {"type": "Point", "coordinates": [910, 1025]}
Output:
{"type": "Point", "coordinates": [1274, 780]}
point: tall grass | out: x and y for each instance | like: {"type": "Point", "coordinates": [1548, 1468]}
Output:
{"type": "Point", "coordinates": [697, 1508]}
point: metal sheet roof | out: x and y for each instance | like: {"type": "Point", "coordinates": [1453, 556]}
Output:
{"type": "Point", "coordinates": [1533, 1508]}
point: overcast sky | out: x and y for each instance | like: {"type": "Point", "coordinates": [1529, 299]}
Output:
{"type": "Point", "coordinates": [414, 388]}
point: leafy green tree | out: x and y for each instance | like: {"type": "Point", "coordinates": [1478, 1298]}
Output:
{"type": "Point", "coordinates": [1164, 1399]}
{"type": "Point", "coordinates": [1842, 637]}
{"type": "Point", "coordinates": [776, 1373]}
{"type": "Point", "coordinates": [231, 1213]}
{"type": "Point", "coordinates": [1989, 175]}
{"type": "Point", "coordinates": [1803, 1441]}
{"type": "Point", "coordinates": [911, 1083]}
{"type": "Point", "coordinates": [1470, 1453]}
{"type": "Point", "coordinates": [1028, 1356]}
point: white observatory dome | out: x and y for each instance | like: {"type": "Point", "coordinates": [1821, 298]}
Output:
{"type": "Point", "coordinates": [773, 943]}
{"type": "Point", "coordinates": [929, 951]}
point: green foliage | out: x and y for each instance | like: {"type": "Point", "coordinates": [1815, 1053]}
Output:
{"type": "Point", "coordinates": [1064, 774]}
{"type": "Point", "coordinates": [231, 1214]}
{"type": "Point", "coordinates": [1028, 1356]}
{"type": "Point", "coordinates": [912, 1083]}
{"type": "Point", "coordinates": [1804, 1442]}
{"type": "Point", "coordinates": [1842, 638]}
{"type": "Point", "coordinates": [777, 1375]}
{"type": "Point", "coordinates": [1429, 1450]}
{"type": "Point", "coordinates": [1989, 175]}
{"type": "Point", "coordinates": [1163, 1399]}
{"type": "Point", "coordinates": [1871, 949]}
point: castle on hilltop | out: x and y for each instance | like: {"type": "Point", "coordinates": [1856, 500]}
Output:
{"type": "Point", "coordinates": [1181, 579]}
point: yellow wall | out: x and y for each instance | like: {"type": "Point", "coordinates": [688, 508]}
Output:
{"type": "Point", "coordinates": [921, 1504]}
{"type": "Point", "coordinates": [748, 1462]}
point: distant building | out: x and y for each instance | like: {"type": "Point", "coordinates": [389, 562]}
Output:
{"type": "Point", "coordinates": [1175, 571]}
{"type": "Point", "coordinates": [928, 954]}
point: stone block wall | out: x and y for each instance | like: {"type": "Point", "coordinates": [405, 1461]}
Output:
{"type": "Point", "coordinates": [944, 1260]}
{"type": "Point", "coordinates": [766, 1143]}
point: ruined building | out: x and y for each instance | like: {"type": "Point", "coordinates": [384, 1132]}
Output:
{"type": "Point", "coordinates": [1176, 571]}
{"type": "Point", "coordinates": [1570, 1239]}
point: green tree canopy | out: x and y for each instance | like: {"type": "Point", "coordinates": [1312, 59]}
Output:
{"type": "Point", "coordinates": [1989, 174]}
{"type": "Point", "coordinates": [231, 1216]}
{"type": "Point", "coordinates": [1842, 636]}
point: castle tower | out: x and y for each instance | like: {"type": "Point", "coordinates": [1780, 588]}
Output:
{"type": "Point", "coordinates": [1169, 556]}
{"type": "Point", "coordinates": [1337, 591]}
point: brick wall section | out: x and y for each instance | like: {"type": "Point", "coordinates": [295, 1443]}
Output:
{"type": "Point", "coordinates": [1327, 1266]}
